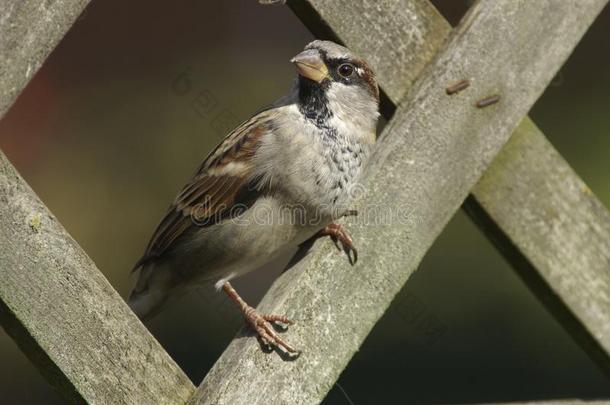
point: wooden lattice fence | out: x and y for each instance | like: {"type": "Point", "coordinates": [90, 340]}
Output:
{"type": "Point", "coordinates": [438, 153]}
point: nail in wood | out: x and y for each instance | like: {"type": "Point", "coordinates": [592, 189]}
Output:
{"type": "Point", "coordinates": [487, 101]}
{"type": "Point", "coordinates": [457, 87]}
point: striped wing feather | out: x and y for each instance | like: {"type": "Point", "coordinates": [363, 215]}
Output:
{"type": "Point", "coordinates": [214, 189]}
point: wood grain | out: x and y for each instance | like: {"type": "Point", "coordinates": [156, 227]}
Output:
{"type": "Point", "coordinates": [67, 318]}
{"type": "Point", "coordinates": [56, 305]}
{"type": "Point", "coordinates": [536, 264]}
{"type": "Point", "coordinates": [546, 219]}
{"type": "Point", "coordinates": [29, 31]}
{"type": "Point", "coordinates": [428, 158]}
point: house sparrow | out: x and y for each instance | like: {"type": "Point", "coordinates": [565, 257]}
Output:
{"type": "Point", "coordinates": [279, 179]}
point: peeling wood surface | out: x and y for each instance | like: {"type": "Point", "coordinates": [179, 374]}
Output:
{"type": "Point", "coordinates": [429, 157]}
{"type": "Point", "coordinates": [67, 318]}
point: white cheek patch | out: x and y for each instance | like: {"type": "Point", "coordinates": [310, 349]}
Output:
{"type": "Point", "coordinates": [336, 93]}
{"type": "Point", "coordinates": [352, 106]}
{"type": "Point", "coordinates": [360, 71]}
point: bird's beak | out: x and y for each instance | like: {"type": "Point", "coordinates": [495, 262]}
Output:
{"type": "Point", "coordinates": [309, 64]}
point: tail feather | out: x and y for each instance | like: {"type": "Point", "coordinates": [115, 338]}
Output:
{"type": "Point", "coordinates": [147, 304]}
{"type": "Point", "coordinates": [150, 292]}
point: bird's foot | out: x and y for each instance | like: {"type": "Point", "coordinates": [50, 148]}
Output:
{"type": "Point", "coordinates": [338, 234]}
{"type": "Point", "coordinates": [262, 325]}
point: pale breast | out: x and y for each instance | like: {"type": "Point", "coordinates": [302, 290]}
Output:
{"type": "Point", "coordinates": [314, 167]}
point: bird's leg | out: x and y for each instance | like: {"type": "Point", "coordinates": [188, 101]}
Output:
{"type": "Point", "coordinates": [338, 234]}
{"type": "Point", "coordinates": [261, 323]}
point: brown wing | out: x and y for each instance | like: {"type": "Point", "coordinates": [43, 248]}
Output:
{"type": "Point", "coordinates": [217, 186]}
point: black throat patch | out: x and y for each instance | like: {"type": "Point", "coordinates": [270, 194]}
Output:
{"type": "Point", "coordinates": [313, 103]}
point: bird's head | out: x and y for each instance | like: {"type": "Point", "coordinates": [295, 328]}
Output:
{"type": "Point", "coordinates": [333, 81]}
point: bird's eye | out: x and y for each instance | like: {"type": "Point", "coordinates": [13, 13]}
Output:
{"type": "Point", "coordinates": [346, 69]}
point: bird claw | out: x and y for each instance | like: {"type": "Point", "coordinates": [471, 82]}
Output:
{"type": "Point", "coordinates": [262, 325]}
{"type": "Point", "coordinates": [338, 234]}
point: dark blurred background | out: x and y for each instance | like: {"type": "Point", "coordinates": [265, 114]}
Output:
{"type": "Point", "coordinates": [107, 132]}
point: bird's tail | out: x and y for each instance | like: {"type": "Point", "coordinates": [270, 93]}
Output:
{"type": "Point", "coordinates": [150, 292]}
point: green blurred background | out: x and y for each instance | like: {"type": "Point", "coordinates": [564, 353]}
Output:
{"type": "Point", "coordinates": [106, 136]}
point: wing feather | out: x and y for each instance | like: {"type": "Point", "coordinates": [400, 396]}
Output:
{"type": "Point", "coordinates": [214, 189]}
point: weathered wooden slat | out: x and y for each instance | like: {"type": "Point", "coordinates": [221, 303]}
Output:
{"type": "Point", "coordinates": [397, 38]}
{"type": "Point", "coordinates": [57, 306]}
{"type": "Point", "coordinates": [29, 31]}
{"type": "Point", "coordinates": [585, 319]}
{"type": "Point", "coordinates": [546, 219]}
{"type": "Point", "coordinates": [429, 157]}
{"type": "Point", "coordinates": [65, 315]}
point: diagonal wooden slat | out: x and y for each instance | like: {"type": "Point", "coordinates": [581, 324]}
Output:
{"type": "Point", "coordinates": [565, 264]}
{"type": "Point", "coordinates": [29, 31]}
{"type": "Point", "coordinates": [546, 221]}
{"type": "Point", "coordinates": [442, 146]}
{"type": "Point", "coordinates": [54, 302]}
{"type": "Point", "coordinates": [397, 38]}
{"type": "Point", "coordinates": [67, 318]}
